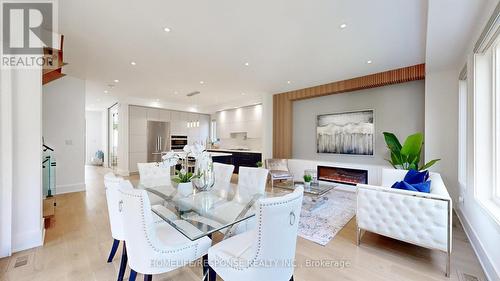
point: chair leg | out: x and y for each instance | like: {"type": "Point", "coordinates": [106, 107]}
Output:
{"type": "Point", "coordinates": [133, 275]}
{"type": "Point", "coordinates": [148, 277]}
{"type": "Point", "coordinates": [116, 243]}
{"type": "Point", "coordinates": [123, 263]}
{"type": "Point", "coordinates": [358, 236]}
{"type": "Point", "coordinates": [291, 278]}
{"type": "Point", "coordinates": [208, 273]}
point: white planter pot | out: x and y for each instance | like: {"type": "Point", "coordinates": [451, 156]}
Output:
{"type": "Point", "coordinates": [185, 188]}
{"type": "Point", "coordinates": [307, 184]}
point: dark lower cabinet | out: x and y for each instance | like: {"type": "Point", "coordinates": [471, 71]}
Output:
{"type": "Point", "coordinates": [239, 159]}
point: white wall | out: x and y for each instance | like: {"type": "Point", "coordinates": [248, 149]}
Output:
{"type": "Point", "coordinates": [397, 108]}
{"type": "Point", "coordinates": [267, 126]}
{"type": "Point", "coordinates": [93, 134]}
{"type": "Point", "coordinates": [21, 178]}
{"type": "Point", "coordinates": [64, 130]}
{"type": "Point", "coordinates": [6, 154]}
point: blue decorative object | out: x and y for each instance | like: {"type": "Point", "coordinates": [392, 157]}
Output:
{"type": "Point", "coordinates": [415, 181]}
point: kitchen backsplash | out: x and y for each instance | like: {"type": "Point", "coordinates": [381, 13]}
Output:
{"type": "Point", "coordinates": [254, 144]}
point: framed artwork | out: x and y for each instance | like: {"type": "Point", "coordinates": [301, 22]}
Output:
{"type": "Point", "coordinates": [346, 133]}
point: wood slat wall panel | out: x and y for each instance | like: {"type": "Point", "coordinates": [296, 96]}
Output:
{"type": "Point", "coordinates": [283, 103]}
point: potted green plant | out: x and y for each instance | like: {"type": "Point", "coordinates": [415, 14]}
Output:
{"type": "Point", "coordinates": [183, 180]}
{"type": "Point", "coordinates": [407, 156]}
{"type": "Point", "coordinates": [259, 164]}
{"type": "Point", "coordinates": [307, 180]}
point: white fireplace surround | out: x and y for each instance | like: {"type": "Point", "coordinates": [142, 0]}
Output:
{"type": "Point", "coordinates": [298, 166]}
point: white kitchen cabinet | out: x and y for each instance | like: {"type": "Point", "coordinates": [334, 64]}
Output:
{"type": "Point", "coordinates": [253, 129]}
{"type": "Point", "coordinates": [137, 120]}
{"type": "Point", "coordinates": [204, 129]}
{"type": "Point", "coordinates": [179, 123]}
{"type": "Point", "coordinates": [153, 114]}
{"type": "Point", "coordinates": [165, 115]}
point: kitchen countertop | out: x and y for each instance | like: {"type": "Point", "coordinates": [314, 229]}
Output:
{"type": "Point", "coordinates": [234, 150]}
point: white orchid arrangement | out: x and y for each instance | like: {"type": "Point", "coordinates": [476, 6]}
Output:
{"type": "Point", "coordinates": [172, 158]}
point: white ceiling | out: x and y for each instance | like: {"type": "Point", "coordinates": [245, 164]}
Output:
{"type": "Point", "coordinates": [210, 41]}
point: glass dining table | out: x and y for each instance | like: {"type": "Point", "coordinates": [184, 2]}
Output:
{"type": "Point", "coordinates": [201, 214]}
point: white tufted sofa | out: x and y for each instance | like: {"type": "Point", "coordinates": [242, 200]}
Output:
{"type": "Point", "coordinates": [422, 219]}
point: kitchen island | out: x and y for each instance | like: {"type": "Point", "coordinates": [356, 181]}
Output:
{"type": "Point", "coordinates": [238, 158]}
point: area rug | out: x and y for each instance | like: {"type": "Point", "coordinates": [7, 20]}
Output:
{"type": "Point", "coordinates": [321, 222]}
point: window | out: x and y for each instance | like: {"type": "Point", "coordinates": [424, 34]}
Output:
{"type": "Point", "coordinates": [486, 130]}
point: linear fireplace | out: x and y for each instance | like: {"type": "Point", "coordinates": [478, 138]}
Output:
{"type": "Point", "coordinates": [342, 175]}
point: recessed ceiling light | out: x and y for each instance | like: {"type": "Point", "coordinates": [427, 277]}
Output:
{"type": "Point", "coordinates": [116, 81]}
{"type": "Point", "coordinates": [106, 91]}
{"type": "Point", "coordinates": [243, 94]}
{"type": "Point", "coordinates": [166, 29]}
{"type": "Point", "coordinates": [202, 82]}
{"type": "Point", "coordinates": [98, 100]}
{"type": "Point", "coordinates": [288, 82]}
{"type": "Point", "coordinates": [247, 63]}
{"type": "Point", "coordinates": [133, 63]}
{"type": "Point", "coordinates": [369, 61]}
{"type": "Point", "coordinates": [157, 100]}
{"type": "Point", "coordinates": [176, 93]}
{"type": "Point", "coordinates": [342, 26]}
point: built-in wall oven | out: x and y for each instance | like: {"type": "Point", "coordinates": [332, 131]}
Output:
{"type": "Point", "coordinates": [177, 142]}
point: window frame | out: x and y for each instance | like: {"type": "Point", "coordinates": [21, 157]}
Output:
{"type": "Point", "coordinates": [495, 192]}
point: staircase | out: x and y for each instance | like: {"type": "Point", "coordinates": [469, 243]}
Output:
{"type": "Point", "coordinates": [55, 59]}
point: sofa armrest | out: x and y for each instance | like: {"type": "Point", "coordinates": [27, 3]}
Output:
{"type": "Point", "coordinates": [405, 192]}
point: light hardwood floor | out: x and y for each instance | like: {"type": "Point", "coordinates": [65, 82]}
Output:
{"type": "Point", "coordinates": [76, 249]}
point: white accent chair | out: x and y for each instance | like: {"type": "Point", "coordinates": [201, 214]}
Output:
{"type": "Point", "coordinates": [154, 248]}
{"type": "Point", "coordinates": [278, 170]}
{"type": "Point", "coordinates": [223, 174]}
{"type": "Point", "coordinates": [112, 184]}
{"type": "Point", "coordinates": [423, 219]}
{"type": "Point", "coordinates": [242, 257]}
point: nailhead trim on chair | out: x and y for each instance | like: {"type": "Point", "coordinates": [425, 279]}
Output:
{"type": "Point", "coordinates": [144, 228]}
{"type": "Point", "coordinates": [259, 240]}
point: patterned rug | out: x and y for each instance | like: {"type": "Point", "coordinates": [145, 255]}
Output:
{"type": "Point", "coordinates": [320, 222]}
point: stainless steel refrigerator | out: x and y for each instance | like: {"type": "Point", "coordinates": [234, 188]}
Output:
{"type": "Point", "coordinates": [158, 140]}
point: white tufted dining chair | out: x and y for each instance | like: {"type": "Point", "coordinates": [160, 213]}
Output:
{"type": "Point", "coordinates": [251, 181]}
{"type": "Point", "coordinates": [223, 174]}
{"type": "Point", "coordinates": [245, 256]}
{"type": "Point", "coordinates": [152, 174]}
{"type": "Point", "coordinates": [112, 184]}
{"type": "Point", "coordinates": [154, 248]}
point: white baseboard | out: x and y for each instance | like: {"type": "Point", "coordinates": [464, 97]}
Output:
{"type": "Point", "coordinates": [478, 247]}
{"type": "Point", "coordinates": [68, 188]}
{"type": "Point", "coordinates": [27, 240]}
